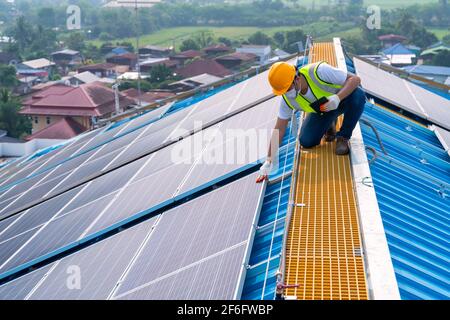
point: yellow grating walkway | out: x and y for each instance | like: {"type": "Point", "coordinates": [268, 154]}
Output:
{"type": "Point", "coordinates": [323, 252]}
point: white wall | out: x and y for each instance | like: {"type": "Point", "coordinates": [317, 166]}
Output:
{"type": "Point", "coordinates": [27, 148]}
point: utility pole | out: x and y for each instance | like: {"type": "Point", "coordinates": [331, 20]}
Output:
{"type": "Point", "coordinates": [138, 66]}
{"type": "Point", "coordinates": [115, 87]}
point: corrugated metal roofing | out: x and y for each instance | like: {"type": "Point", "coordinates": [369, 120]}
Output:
{"type": "Point", "coordinates": [398, 49]}
{"type": "Point", "coordinates": [424, 69]}
{"type": "Point", "coordinates": [412, 184]}
{"type": "Point", "coordinates": [260, 282]}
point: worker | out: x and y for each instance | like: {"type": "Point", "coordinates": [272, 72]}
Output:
{"type": "Point", "coordinates": [300, 87]}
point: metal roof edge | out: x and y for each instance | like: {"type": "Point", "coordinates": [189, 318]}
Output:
{"type": "Point", "coordinates": [440, 138]}
{"type": "Point", "coordinates": [379, 268]}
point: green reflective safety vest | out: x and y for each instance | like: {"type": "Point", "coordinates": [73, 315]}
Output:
{"type": "Point", "coordinates": [319, 87]}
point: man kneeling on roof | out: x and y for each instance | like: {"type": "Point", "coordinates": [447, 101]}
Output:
{"type": "Point", "coordinates": [324, 93]}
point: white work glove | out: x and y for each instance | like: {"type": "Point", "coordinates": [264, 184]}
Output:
{"type": "Point", "coordinates": [332, 104]}
{"type": "Point", "coordinates": [264, 171]}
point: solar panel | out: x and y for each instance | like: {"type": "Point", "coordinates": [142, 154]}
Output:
{"type": "Point", "coordinates": [205, 255]}
{"type": "Point", "coordinates": [404, 94]}
{"type": "Point", "coordinates": [206, 248]}
{"type": "Point", "coordinates": [20, 288]}
{"type": "Point", "coordinates": [58, 232]}
{"type": "Point", "coordinates": [143, 191]}
{"type": "Point", "coordinates": [85, 142]}
{"type": "Point", "coordinates": [101, 267]}
{"type": "Point", "coordinates": [21, 170]}
{"type": "Point", "coordinates": [205, 111]}
{"type": "Point", "coordinates": [213, 279]}
{"type": "Point", "coordinates": [444, 138]}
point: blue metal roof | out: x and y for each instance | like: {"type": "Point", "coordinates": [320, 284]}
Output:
{"type": "Point", "coordinates": [412, 184]}
{"type": "Point", "coordinates": [424, 69]}
{"type": "Point", "coordinates": [397, 49]}
{"type": "Point", "coordinates": [264, 261]}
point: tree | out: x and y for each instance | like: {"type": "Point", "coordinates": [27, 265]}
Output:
{"type": "Point", "coordinates": [10, 120]}
{"type": "Point", "coordinates": [225, 41]}
{"type": "Point", "coordinates": [442, 58]}
{"type": "Point", "coordinates": [423, 38]}
{"type": "Point", "coordinates": [406, 25]}
{"type": "Point", "coordinates": [204, 38]}
{"type": "Point", "coordinates": [160, 73]}
{"type": "Point", "coordinates": [189, 44]}
{"type": "Point", "coordinates": [7, 76]}
{"type": "Point", "coordinates": [23, 33]}
{"type": "Point", "coordinates": [75, 41]}
{"type": "Point", "coordinates": [292, 37]}
{"type": "Point", "coordinates": [446, 39]}
{"type": "Point", "coordinates": [259, 38]}
{"type": "Point", "coordinates": [279, 38]}
{"type": "Point", "coordinates": [47, 17]}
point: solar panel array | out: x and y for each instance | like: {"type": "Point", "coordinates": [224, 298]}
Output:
{"type": "Point", "coordinates": [404, 94]}
{"type": "Point", "coordinates": [68, 203]}
{"type": "Point", "coordinates": [53, 180]}
{"type": "Point", "coordinates": [194, 251]}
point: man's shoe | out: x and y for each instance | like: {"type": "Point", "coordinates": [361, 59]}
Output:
{"type": "Point", "coordinates": [330, 135]}
{"type": "Point", "coordinates": [342, 146]}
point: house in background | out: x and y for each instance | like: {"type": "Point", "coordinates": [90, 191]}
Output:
{"type": "Point", "coordinates": [67, 58]}
{"type": "Point", "coordinates": [155, 51]}
{"type": "Point", "coordinates": [399, 55]}
{"type": "Point", "coordinates": [263, 52]}
{"type": "Point", "coordinates": [84, 105]}
{"type": "Point", "coordinates": [184, 56]}
{"type": "Point", "coordinates": [127, 59]}
{"type": "Point", "coordinates": [202, 80]}
{"type": "Point", "coordinates": [215, 50]}
{"type": "Point", "coordinates": [62, 129]}
{"type": "Point", "coordinates": [102, 70]}
{"type": "Point", "coordinates": [435, 73]}
{"type": "Point", "coordinates": [428, 54]}
{"type": "Point", "coordinates": [388, 40]}
{"type": "Point", "coordinates": [148, 97]}
{"type": "Point", "coordinates": [131, 3]}
{"type": "Point", "coordinates": [147, 65]}
{"type": "Point", "coordinates": [202, 66]}
{"type": "Point", "coordinates": [26, 84]}
{"type": "Point", "coordinates": [41, 68]}
{"type": "Point", "coordinates": [237, 60]}
{"type": "Point", "coordinates": [78, 79]}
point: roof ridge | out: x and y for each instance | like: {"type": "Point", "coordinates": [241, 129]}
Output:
{"type": "Point", "coordinates": [83, 86]}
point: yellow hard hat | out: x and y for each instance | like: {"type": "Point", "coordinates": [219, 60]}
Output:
{"type": "Point", "coordinates": [281, 76]}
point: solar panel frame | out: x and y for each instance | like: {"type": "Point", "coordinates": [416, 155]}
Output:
{"type": "Point", "coordinates": [404, 94]}
{"type": "Point", "coordinates": [443, 137]}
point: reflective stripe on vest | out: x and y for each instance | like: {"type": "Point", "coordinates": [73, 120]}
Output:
{"type": "Point", "coordinates": [319, 88]}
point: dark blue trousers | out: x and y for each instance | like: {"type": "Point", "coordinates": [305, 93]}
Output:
{"type": "Point", "coordinates": [315, 125]}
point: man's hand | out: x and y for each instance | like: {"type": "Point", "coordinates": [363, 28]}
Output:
{"type": "Point", "coordinates": [332, 104]}
{"type": "Point", "coordinates": [264, 171]}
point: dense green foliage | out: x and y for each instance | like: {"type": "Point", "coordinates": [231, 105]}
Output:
{"type": "Point", "coordinates": [15, 125]}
